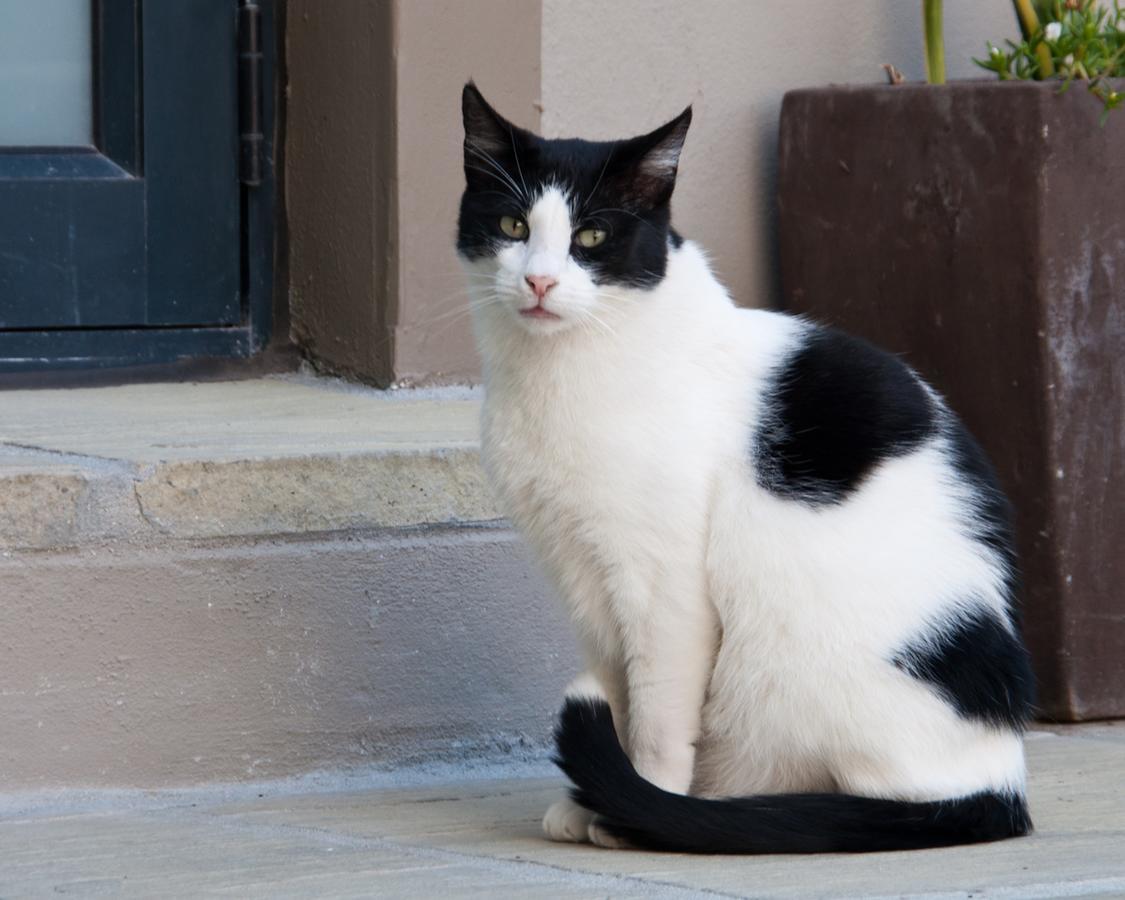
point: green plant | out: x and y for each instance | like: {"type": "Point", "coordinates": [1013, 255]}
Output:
{"type": "Point", "coordinates": [1071, 39]}
{"type": "Point", "coordinates": [935, 41]}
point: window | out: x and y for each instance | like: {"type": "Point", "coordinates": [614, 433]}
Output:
{"type": "Point", "coordinates": [135, 201]}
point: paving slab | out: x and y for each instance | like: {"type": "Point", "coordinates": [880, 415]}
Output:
{"type": "Point", "coordinates": [181, 855]}
{"type": "Point", "coordinates": [481, 838]}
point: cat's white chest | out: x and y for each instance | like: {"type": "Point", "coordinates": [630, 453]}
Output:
{"type": "Point", "coordinates": [559, 456]}
{"type": "Point", "coordinates": [620, 440]}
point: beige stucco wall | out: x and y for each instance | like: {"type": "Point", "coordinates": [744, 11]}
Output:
{"type": "Point", "coordinates": [376, 287]}
{"type": "Point", "coordinates": [625, 66]}
{"type": "Point", "coordinates": [441, 43]}
{"type": "Point", "coordinates": [373, 174]}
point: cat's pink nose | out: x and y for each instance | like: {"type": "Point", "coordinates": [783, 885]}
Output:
{"type": "Point", "coordinates": [541, 284]}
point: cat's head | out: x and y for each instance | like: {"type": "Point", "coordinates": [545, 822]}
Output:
{"type": "Point", "coordinates": [554, 230]}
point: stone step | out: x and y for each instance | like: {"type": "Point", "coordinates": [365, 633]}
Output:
{"type": "Point", "coordinates": [245, 580]}
{"type": "Point", "coordinates": [281, 455]}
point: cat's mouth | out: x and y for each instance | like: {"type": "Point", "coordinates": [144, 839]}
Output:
{"type": "Point", "coordinates": [539, 311]}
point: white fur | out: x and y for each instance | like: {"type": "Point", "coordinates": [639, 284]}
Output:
{"type": "Point", "coordinates": [568, 822]}
{"type": "Point", "coordinates": [714, 614]}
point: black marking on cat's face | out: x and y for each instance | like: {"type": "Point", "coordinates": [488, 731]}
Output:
{"type": "Point", "coordinates": [978, 666]}
{"type": "Point", "coordinates": [839, 407]}
{"type": "Point", "coordinates": [623, 188]}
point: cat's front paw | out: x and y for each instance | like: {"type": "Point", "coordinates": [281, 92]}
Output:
{"type": "Point", "coordinates": [566, 821]}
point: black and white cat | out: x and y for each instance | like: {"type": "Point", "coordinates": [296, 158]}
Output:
{"type": "Point", "coordinates": [789, 565]}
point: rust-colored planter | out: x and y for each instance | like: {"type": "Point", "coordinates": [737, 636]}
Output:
{"type": "Point", "coordinates": [978, 229]}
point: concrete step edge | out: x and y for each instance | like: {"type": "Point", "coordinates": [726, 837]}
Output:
{"type": "Point", "coordinates": [59, 501]}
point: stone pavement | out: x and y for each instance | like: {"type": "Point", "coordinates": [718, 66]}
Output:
{"type": "Point", "coordinates": [480, 838]}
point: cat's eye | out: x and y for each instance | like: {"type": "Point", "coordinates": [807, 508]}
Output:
{"type": "Point", "coordinates": [589, 237]}
{"type": "Point", "coordinates": [514, 228]}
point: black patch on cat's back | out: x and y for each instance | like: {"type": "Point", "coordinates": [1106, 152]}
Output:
{"type": "Point", "coordinates": [991, 522]}
{"type": "Point", "coordinates": [978, 666]}
{"type": "Point", "coordinates": [838, 407]}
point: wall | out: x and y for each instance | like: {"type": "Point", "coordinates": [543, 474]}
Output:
{"type": "Point", "coordinates": [611, 69]}
{"type": "Point", "coordinates": [373, 174]}
{"type": "Point", "coordinates": [339, 183]}
{"type": "Point", "coordinates": [442, 43]}
{"type": "Point", "coordinates": [390, 305]}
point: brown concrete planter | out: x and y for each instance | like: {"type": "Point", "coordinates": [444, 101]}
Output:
{"type": "Point", "coordinates": [978, 229]}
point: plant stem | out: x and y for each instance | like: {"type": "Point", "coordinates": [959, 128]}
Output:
{"type": "Point", "coordinates": [935, 41]}
{"type": "Point", "coordinates": [1029, 25]}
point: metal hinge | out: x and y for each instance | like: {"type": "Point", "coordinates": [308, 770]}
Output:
{"type": "Point", "coordinates": [251, 140]}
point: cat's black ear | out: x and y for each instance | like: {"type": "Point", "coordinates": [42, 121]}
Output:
{"type": "Point", "coordinates": [487, 133]}
{"type": "Point", "coordinates": [653, 160]}
{"type": "Point", "coordinates": [649, 163]}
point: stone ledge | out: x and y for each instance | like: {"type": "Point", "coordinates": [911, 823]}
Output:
{"type": "Point", "coordinates": [39, 508]}
{"type": "Point", "coordinates": [272, 456]}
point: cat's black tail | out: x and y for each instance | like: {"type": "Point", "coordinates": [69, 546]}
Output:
{"type": "Point", "coordinates": [631, 808]}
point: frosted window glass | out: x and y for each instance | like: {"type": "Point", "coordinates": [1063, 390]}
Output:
{"type": "Point", "coordinates": [46, 65]}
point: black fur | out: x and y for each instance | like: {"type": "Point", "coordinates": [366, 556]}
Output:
{"type": "Point", "coordinates": [609, 184]}
{"type": "Point", "coordinates": [992, 524]}
{"type": "Point", "coordinates": [979, 666]}
{"type": "Point", "coordinates": [646, 816]}
{"type": "Point", "coordinates": [839, 407]}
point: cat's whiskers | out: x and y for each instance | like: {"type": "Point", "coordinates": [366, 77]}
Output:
{"type": "Point", "coordinates": [513, 193]}
{"type": "Point", "coordinates": [617, 209]}
{"type": "Point", "coordinates": [597, 182]}
{"type": "Point", "coordinates": [476, 301]}
{"type": "Point", "coordinates": [463, 308]}
{"type": "Point", "coordinates": [503, 175]}
{"type": "Point", "coordinates": [516, 156]}
{"type": "Point", "coordinates": [589, 317]}
{"type": "Point", "coordinates": [506, 194]}
{"type": "Point", "coordinates": [471, 277]}
{"type": "Point", "coordinates": [614, 300]}
{"type": "Point", "coordinates": [483, 154]}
